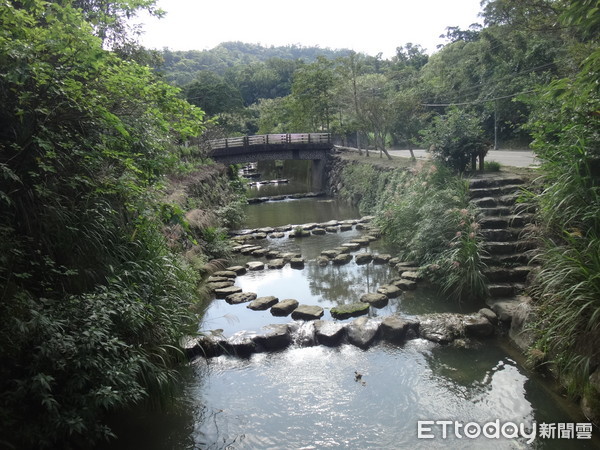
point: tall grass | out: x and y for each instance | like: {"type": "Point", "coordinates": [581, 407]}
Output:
{"type": "Point", "coordinates": [427, 214]}
{"type": "Point", "coordinates": [567, 288]}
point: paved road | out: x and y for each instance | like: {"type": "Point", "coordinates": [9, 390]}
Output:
{"type": "Point", "coordinates": [514, 158]}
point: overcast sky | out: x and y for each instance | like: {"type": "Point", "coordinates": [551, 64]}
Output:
{"type": "Point", "coordinates": [369, 26]}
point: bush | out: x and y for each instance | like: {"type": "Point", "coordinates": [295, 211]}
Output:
{"type": "Point", "coordinates": [455, 138]}
{"type": "Point", "coordinates": [492, 166]}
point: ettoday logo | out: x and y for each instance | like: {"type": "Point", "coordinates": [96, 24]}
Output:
{"type": "Point", "coordinates": [430, 429]}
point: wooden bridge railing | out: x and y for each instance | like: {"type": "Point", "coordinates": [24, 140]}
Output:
{"type": "Point", "coordinates": [271, 139]}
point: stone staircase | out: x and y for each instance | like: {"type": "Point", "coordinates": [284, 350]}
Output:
{"type": "Point", "coordinates": [502, 225]}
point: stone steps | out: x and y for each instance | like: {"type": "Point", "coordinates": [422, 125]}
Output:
{"type": "Point", "coordinates": [495, 191]}
{"type": "Point", "coordinates": [497, 211]}
{"type": "Point", "coordinates": [508, 247]}
{"type": "Point", "coordinates": [507, 260]}
{"type": "Point", "coordinates": [476, 183]}
{"type": "Point", "coordinates": [516, 274]}
{"type": "Point", "coordinates": [502, 225]}
{"type": "Point", "coordinates": [491, 202]}
{"type": "Point", "coordinates": [501, 234]}
{"type": "Point", "coordinates": [509, 221]}
{"type": "Point", "coordinates": [506, 289]}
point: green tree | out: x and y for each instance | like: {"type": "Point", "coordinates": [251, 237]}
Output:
{"type": "Point", "coordinates": [377, 109]}
{"type": "Point", "coordinates": [456, 139]}
{"type": "Point", "coordinates": [213, 94]}
{"type": "Point", "coordinates": [92, 302]}
{"type": "Point", "coordinates": [312, 92]}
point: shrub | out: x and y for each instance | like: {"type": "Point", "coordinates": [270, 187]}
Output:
{"type": "Point", "coordinates": [455, 138]}
{"type": "Point", "coordinates": [492, 166]}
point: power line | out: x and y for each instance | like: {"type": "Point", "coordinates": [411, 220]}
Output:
{"type": "Point", "coordinates": [478, 101]}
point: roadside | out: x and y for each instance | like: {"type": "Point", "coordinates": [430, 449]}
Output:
{"type": "Point", "coordinates": [513, 158]}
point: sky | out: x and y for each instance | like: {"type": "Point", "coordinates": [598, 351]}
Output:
{"type": "Point", "coordinates": [368, 26]}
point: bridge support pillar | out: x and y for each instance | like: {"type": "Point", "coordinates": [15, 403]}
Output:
{"type": "Point", "coordinates": [318, 174]}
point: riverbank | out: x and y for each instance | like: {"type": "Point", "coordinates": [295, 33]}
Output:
{"type": "Point", "coordinates": [525, 328]}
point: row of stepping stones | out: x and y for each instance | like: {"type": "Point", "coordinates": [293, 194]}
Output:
{"type": "Point", "coordinates": [275, 198]}
{"type": "Point", "coordinates": [223, 285]}
{"type": "Point", "coordinates": [304, 230]}
{"type": "Point", "coordinates": [442, 328]}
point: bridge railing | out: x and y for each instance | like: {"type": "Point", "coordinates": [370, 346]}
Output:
{"type": "Point", "coordinates": [271, 139]}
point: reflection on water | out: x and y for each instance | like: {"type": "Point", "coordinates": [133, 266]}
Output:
{"type": "Point", "coordinates": [308, 398]}
{"type": "Point", "coordinates": [327, 286]}
{"type": "Point", "coordinates": [300, 211]}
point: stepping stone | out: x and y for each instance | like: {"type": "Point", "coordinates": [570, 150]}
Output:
{"type": "Point", "coordinates": [284, 307]}
{"type": "Point", "coordinates": [276, 263]}
{"type": "Point", "coordinates": [308, 312]}
{"type": "Point", "coordinates": [219, 284]}
{"type": "Point", "coordinates": [318, 231]}
{"type": "Point", "coordinates": [363, 258]}
{"type": "Point", "coordinates": [375, 300]}
{"type": "Point", "coordinates": [242, 343]}
{"type": "Point", "coordinates": [344, 312]}
{"type": "Point", "coordinates": [263, 303]}
{"type": "Point", "coordinates": [383, 258]}
{"type": "Point", "coordinates": [330, 253]}
{"type": "Point", "coordinates": [331, 223]}
{"type": "Point", "coordinates": [329, 333]}
{"type": "Point", "coordinates": [255, 265]}
{"type": "Point", "coordinates": [362, 332]}
{"type": "Point", "coordinates": [505, 309]}
{"type": "Point", "coordinates": [406, 264]}
{"type": "Point", "coordinates": [213, 279]}
{"type": "Point", "coordinates": [363, 242]}
{"type": "Point", "coordinates": [299, 234]}
{"type": "Point", "coordinates": [390, 291]}
{"type": "Point", "coordinates": [351, 245]}
{"type": "Point", "coordinates": [332, 229]}
{"type": "Point", "coordinates": [249, 250]}
{"type": "Point", "coordinates": [477, 326]}
{"type": "Point", "coordinates": [410, 275]}
{"type": "Point", "coordinates": [288, 256]}
{"type": "Point", "coordinates": [260, 252]}
{"type": "Point", "coordinates": [405, 285]}
{"type": "Point", "coordinates": [345, 227]}
{"type": "Point", "coordinates": [240, 297]}
{"type": "Point", "coordinates": [238, 270]}
{"type": "Point", "coordinates": [277, 235]}
{"type": "Point", "coordinates": [225, 273]}
{"type": "Point", "coordinates": [276, 337]}
{"type": "Point", "coordinates": [394, 329]}
{"type": "Point", "coordinates": [297, 263]}
{"type": "Point", "coordinates": [342, 259]}
{"type": "Point", "coordinates": [224, 292]}
{"type": "Point", "coordinates": [272, 254]}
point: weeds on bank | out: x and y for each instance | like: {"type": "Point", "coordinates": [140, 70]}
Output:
{"type": "Point", "coordinates": [426, 213]}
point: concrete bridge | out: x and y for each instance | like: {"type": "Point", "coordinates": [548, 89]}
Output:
{"type": "Point", "coordinates": [299, 146]}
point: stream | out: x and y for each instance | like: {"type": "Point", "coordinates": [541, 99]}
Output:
{"type": "Point", "coordinates": [310, 397]}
